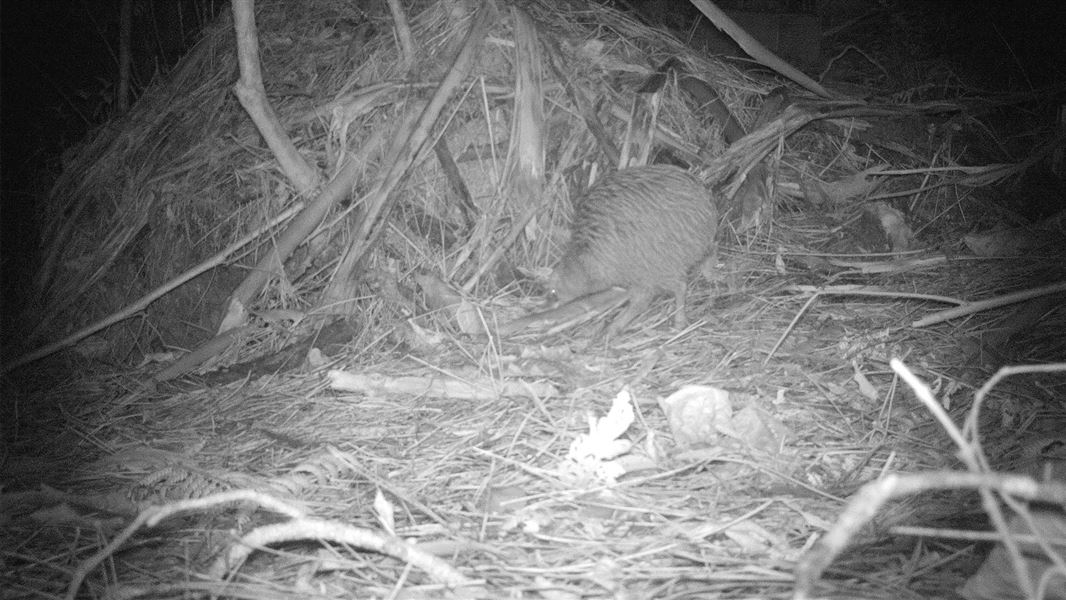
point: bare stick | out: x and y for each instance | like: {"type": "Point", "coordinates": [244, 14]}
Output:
{"type": "Point", "coordinates": [443, 386]}
{"type": "Point", "coordinates": [199, 355]}
{"type": "Point", "coordinates": [527, 145]}
{"type": "Point", "coordinates": [150, 297]}
{"type": "Point", "coordinates": [865, 504]}
{"type": "Point", "coordinates": [152, 515]}
{"type": "Point", "coordinates": [974, 307]}
{"type": "Point", "coordinates": [341, 533]}
{"type": "Point", "coordinates": [755, 49]}
{"type": "Point", "coordinates": [252, 95]}
{"type": "Point", "coordinates": [791, 326]}
{"type": "Point", "coordinates": [380, 200]}
{"type": "Point", "coordinates": [301, 227]}
{"type": "Point", "coordinates": [971, 454]}
{"type": "Point", "coordinates": [873, 292]}
{"type": "Point", "coordinates": [403, 35]}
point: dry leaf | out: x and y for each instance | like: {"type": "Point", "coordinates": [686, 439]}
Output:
{"type": "Point", "coordinates": [697, 414]}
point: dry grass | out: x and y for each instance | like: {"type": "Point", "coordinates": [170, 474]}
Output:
{"type": "Point", "coordinates": [482, 483]}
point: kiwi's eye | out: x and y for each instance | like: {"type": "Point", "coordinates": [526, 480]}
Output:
{"type": "Point", "coordinates": [552, 295]}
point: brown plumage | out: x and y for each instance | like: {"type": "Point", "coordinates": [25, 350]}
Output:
{"type": "Point", "coordinates": [642, 229]}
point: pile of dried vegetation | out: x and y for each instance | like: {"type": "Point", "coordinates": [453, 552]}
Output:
{"type": "Point", "coordinates": [318, 273]}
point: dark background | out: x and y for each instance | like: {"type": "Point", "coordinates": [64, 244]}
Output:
{"type": "Point", "coordinates": [58, 75]}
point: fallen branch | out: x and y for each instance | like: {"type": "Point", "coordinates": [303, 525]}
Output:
{"type": "Point", "coordinates": [340, 533]}
{"type": "Point", "coordinates": [865, 504]}
{"type": "Point", "coordinates": [153, 515]}
{"type": "Point", "coordinates": [380, 201]}
{"type": "Point", "coordinates": [299, 527]}
{"type": "Point", "coordinates": [441, 386]}
{"type": "Point", "coordinates": [974, 307]}
{"type": "Point", "coordinates": [756, 50]}
{"type": "Point", "coordinates": [152, 296]}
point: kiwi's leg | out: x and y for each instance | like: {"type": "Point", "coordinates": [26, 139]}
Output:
{"type": "Point", "coordinates": [680, 319]}
{"type": "Point", "coordinates": [639, 300]}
